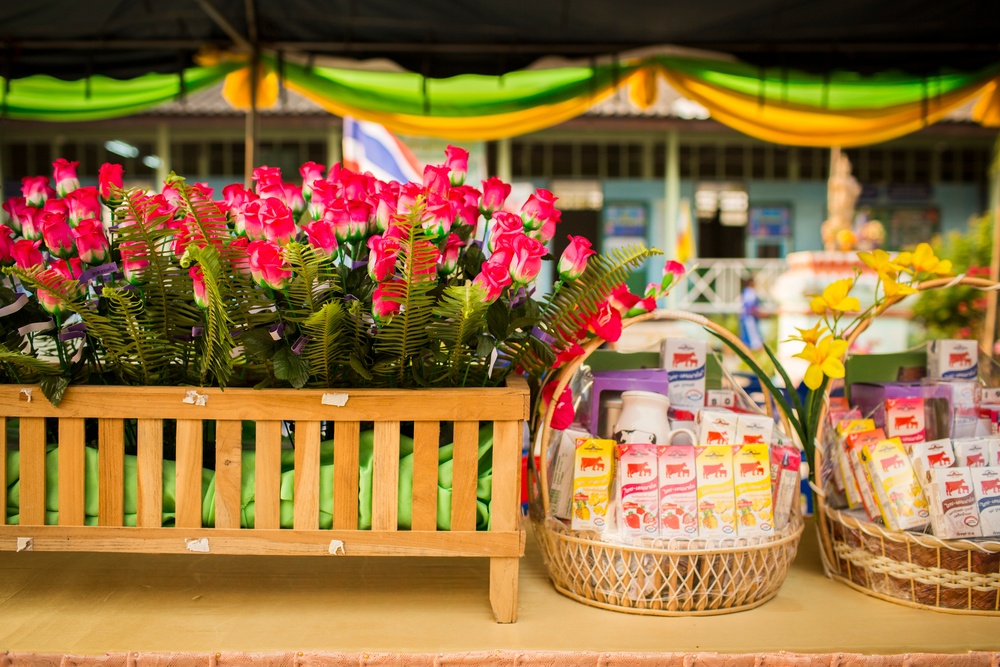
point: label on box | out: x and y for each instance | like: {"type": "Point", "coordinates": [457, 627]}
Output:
{"type": "Point", "coordinates": [994, 452]}
{"type": "Point", "coordinates": [900, 498]}
{"type": "Point", "coordinates": [854, 444]}
{"type": "Point", "coordinates": [716, 427]}
{"type": "Point", "coordinates": [952, 503]}
{"type": "Point", "coordinates": [592, 473]}
{"type": "Point", "coordinates": [720, 398]}
{"type": "Point", "coordinates": [716, 494]}
{"type": "Point", "coordinates": [753, 429]}
{"type": "Point", "coordinates": [684, 360]}
{"type": "Point", "coordinates": [754, 505]}
{"type": "Point", "coordinates": [785, 461]}
{"type": "Point", "coordinates": [953, 360]}
{"type": "Point", "coordinates": [904, 419]}
{"type": "Point", "coordinates": [678, 491]}
{"type": "Point", "coordinates": [986, 488]}
{"type": "Point", "coordinates": [925, 456]}
{"type": "Point", "coordinates": [638, 491]}
{"type": "Point", "coordinates": [971, 452]}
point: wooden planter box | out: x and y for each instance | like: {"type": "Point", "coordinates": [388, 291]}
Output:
{"type": "Point", "coordinates": [506, 407]}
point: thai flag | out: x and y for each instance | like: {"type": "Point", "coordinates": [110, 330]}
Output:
{"type": "Point", "coordinates": [371, 147]}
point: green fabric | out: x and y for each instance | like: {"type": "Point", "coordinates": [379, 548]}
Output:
{"type": "Point", "coordinates": [247, 501]}
{"type": "Point", "coordinates": [465, 95]}
{"type": "Point", "coordinates": [42, 97]}
{"type": "Point", "coordinates": [889, 367]}
{"type": "Point", "coordinates": [839, 91]}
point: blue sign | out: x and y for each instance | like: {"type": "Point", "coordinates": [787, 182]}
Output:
{"type": "Point", "coordinates": [771, 220]}
{"type": "Point", "coordinates": [625, 219]}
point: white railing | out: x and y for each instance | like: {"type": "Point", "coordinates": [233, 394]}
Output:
{"type": "Point", "coordinates": [714, 286]}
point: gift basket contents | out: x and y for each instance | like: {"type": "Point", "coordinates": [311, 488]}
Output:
{"type": "Point", "coordinates": [662, 487]}
{"type": "Point", "coordinates": [906, 469]}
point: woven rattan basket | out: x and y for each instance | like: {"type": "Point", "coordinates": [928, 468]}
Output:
{"type": "Point", "coordinates": [677, 577]}
{"type": "Point", "coordinates": [917, 570]}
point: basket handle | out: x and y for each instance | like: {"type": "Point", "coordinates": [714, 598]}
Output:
{"type": "Point", "coordinates": [564, 374]}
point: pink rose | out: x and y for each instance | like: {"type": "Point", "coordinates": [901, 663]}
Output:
{"type": "Point", "coordinates": [492, 279]}
{"type": "Point", "coordinates": [323, 194]}
{"type": "Point", "coordinates": [606, 323]}
{"type": "Point", "coordinates": [359, 213]}
{"type": "Point", "coordinates": [277, 221]}
{"type": "Point", "coordinates": [268, 183]}
{"type": "Point", "coordinates": [621, 299]}
{"type": "Point", "coordinates": [294, 199]}
{"type": "Point", "coordinates": [564, 413]}
{"type": "Point", "coordinates": [6, 245]}
{"type": "Point", "coordinates": [109, 175]}
{"type": "Point", "coordinates": [437, 219]}
{"type": "Point", "coordinates": [14, 207]}
{"type": "Point", "coordinates": [506, 227]}
{"type": "Point", "coordinates": [311, 173]}
{"type": "Point", "coordinates": [53, 284]}
{"type": "Point", "coordinates": [548, 228]}
{"type": "Point", "coordinates": [436, 180]}
{"type": "Point", "coordinates": [457, 162]}
{"type": "Point", "coordinates": [573, 261]}
{"type": "Point", "coordinates": [321, 237]}
{"type": "Point", "coordinates": [268, 266]}
{"type": "Point", "coordinates": [538, 209]}
{"type": "Point", "coordinates": [26, 253]}
{"type": "Point", "coordinates": [31, 222]}
{"type": "Point", "coordinates": [83, 203]}
{"type": "Point", "coordinates": [527, 261]}
{"type": "Point", "coordinates": [386, 299]}
{"type": "Point", "coordinates": [382, 255]}
{"type": "Point", "coordinates": [355, 186]}
{"type": "Point", "coordinates": [36, 190]}
{"type": "Point", "coordinates": [91, 242]}
{"type": "Point", "coordinates": [338, 215]}
{"type": "Point", "coordinates": [672, 272]}
{"type": "Point", "coordinates": [64, 174]}
{"type": "Point", "coordinates": [58, 234]}
{"type": "Point", "coordinates": [449, 258]}
{"type": "Point", "coordinates": [134, 261]}
{"type": "Point", "coordinates": [199, 287]}
{"type": "Point", "coordinates": [495, 193]}
{"type": "Point", "coordinates": [384, 210]}
{"type": "Point", "coordinates": [239, 258]}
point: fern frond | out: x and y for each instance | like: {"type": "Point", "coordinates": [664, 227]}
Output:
{"type": "Point", "coordinates": [215, 345]}
{"type": "Point", "coordinates": [314, 281]}
{"type": "Point", "coordinates": [29, 365]}
{"type": "Point", "coordinates": [459, 318]}
{"type": "Point", "coordinates": [327, 343]}
{"type": "Point", "coordinates": [150, 355]}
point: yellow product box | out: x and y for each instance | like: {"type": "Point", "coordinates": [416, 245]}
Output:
{"type": "Point", "coordinates": [845, 429]}
{"type": "Point", "coordinates": [593, 470]}
{"type": "Point", "coordinates": [900, 499]}
{"type": "Point", "coordinates": [752, 478]}
{"type": "Point", "coordinates": [716, 493]}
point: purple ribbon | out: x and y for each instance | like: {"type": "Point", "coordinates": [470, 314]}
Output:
{"type": "Point", "coordinates": [300, 345]}
{"type": "Point", "coordinates": [357, 264]}
{"type": "Point", "coordinates": [543, 336]}
{"type": "Point", "coordinates": [70, 335]}
{"type": "Point", "coordinates": [96, 271]}
{"type": "Point", "coordinates": [350, 297]}
{"type": "Point", "coordinates": [196, 331]}
{"type": "Point", "coordinates": [277, 331]}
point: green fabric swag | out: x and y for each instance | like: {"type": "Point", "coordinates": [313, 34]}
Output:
{"type": "Point", "coordinates": [247, 500]}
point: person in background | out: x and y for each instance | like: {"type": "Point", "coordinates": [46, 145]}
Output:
{"type": "Point", "coordinates": [749, 316]}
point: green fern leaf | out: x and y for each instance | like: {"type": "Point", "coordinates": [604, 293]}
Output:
{"type": "Point", "coordinates": [459, 318]}
{"type": "Point", "coordinates": [327, 343]}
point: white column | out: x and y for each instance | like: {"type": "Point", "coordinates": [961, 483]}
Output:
{"type": "Point", "coordinates": [334, 144]}
{"type": "Point", "coordinates": [505, 168]}
{"type": "Point", "coordinates": [671, 208]}
{"type": "Point", "coordinates": [162, 152]}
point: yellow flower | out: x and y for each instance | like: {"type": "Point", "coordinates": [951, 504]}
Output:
{"type": "Point", "coordinates": [824, 359]}
{"type": "Point", "coordinates": [923, 261]}
{"type": "Point", "coordinates": [810, 335]}
{"type": "Point", "coordinates": [893, 288]}
{"type": "Point", "coordinates": [835, 297]}
{"type": "Point", "coordinates": [880, 261]}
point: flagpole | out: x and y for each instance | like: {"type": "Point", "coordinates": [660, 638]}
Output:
{"type": "Point", "coordinates": [672, 195]}
{"type": "Point", "coordinates": [250, 132]}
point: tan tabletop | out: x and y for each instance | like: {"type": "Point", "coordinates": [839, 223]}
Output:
{"type": "Point", "coordinates": [97, 603]}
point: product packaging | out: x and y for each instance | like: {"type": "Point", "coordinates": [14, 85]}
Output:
{"type": "Point", "coordinates": [753, 429]}
{"type": "Point", "coordinates": [986, 488]}
{"type": "Point", "coordinates": [560, 471]}
{"type": "Point", "coordinates": [716, 499]}
{"type": "Point", "coordinates": [925, 456]}
{"type": "Point", "coordinates": [752, 477]}
{"type": "Point", "coordinates": [678, 491]}
{"type": "Point", "coordinates": [953, 360]}
{"type": "Point", "coordinates": [638, 491]}
{"type": "Point", "coordinates": [900, 499]}
{"type": "Point", "coordinates": [854, 444]}
{"type": "Point", "coordinates": [716, 427]}
{"type": "Point", "coordinates": [971, 452]}
{"type": "Point", "coordinates": [952, 503]}
{"type": "Point", "coordinates": [684, 360]}
{"type": "Point", "coordinates": [593, 471]}
{"type": "Point", "coordinates": [785, 462]}
{"type": "Point", "coordinates": [904, 419]}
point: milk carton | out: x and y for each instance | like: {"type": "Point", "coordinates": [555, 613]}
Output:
{"type": "Point", "coordinates": [753, 429]}
{"type": "Point", "coordinates": [716, 427]}
{"type": "Point", "coordinates": [752, 477]}
{"type": "Point", "coordinates": [716, 500]}
{"type": "Point", "coordinates": [904, 419]}
{"type": "Point", "coordinates": [971, 452]}
{"type": "Point", "coordinates": [560, 472]}
{"type": "Point", "coordinates": [785, 461]}
{"type": "Point", "coordinates": [592, 473]}
{"type": "Point", "coordinates": [638, 491]}
{"type": "Point", "coordinates": [994, 452]}
{"type": "Point", "coordinates": [843, 466]}
{"type": "Point", "coordinates": [720, 398]}
{"type": "Point", "coordinates": [965, 399]}
{"type": "Point", "coordinates": [952, 503]}
{"type": "Point", "coordinates": [900, 499]}
{"type": "Point", "coordinates": [953, 360]}
{"type": "Point", "coordinates": [684, 360]}
{"type": "Point", "coordinates": [925, 456]}
{"type": "Point", "coordinates": [678, 491]}
{"type": "Point", "coordinates": [854, 444]}
{"type": "Point", "coordinates": [986, 488]}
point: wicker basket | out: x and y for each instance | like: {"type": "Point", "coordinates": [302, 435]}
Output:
{"type": "Point", "coordinates": [913, 569]}
{"type": "Point", "coordinates": [676, 577]}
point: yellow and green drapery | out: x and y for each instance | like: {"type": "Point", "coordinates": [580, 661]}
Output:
{"type": "Point", "coordinates": [779, 106]}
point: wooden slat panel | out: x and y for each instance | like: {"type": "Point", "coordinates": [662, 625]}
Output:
{"type": "Point", "coordinates": [3, 470]}
{"type": "Point", "coordinates": [267, 494]}
{"type": "Point", "coordinates": [32, 439]}
{"type": "Point", "coordinates": [385, 476]}
{"type": "Point", "coordinates": [149, 473]}
{"type": "Point", "coordinates": [464, 475]}
{"type": "Point", "coordinates": [425, 474]}
{"type": "Point", "coordinates": [264, 542]}
{"type": "Point", "coordinates": [110, 472]}
{"type": "Point", "coordinates": [240, 403]}
{"type": "Point", "coordinates": [345, 470]}
{"type": "Point", "coordinates": [505, 506]}
{"type": "Point", "coordinates": [71, 472]}
{"type": "Point", "coordinates": [189, 461]}
{"type": "Point", "coordinates": [228, 472]}
{"type": "Point", "coordinates": [307, 438]}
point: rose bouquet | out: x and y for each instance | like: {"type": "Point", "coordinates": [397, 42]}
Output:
{"type": "Point", "coordinates": [344, 281]}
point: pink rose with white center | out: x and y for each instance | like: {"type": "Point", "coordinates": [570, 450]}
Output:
{"type": "Point", "coordinates": [82, 203]}
{"type": "Point", "coordinates": [109, 176]}
{"type": "Point", "coordinates": [277, 221]}
{"type": "Point", "coordinates": [311, 172]}
{"type": "Point", "coordinates": [31, 222]}
{"type": "Point", "coordinates": [436, 180]}
{"type": "Point", "coordinates": [64, 174]}
{"type": "Point", "coordinates": [382, 255]}
{"type": "Point", "coordinates": [386, 299]}
{"type": "Point", "coordinates": [268, 265]}
{"type": "Point", "coordinates": [385, 208]}
{"type": "Point", "coordinates": [338, 215]}
{"type": "Point", "coordinates": [294, 199]}
{"type": "Point", "coordinates": [527, 261]}
{"type": "Point", "coordinates": [6, 245]}
{"type": "Point", "coordinates": [248, 221]}
{"type": "Point", "coordinates": [321, 237]}
{"type": "Point", "coordinates": [13, 207]}
{"type": "Point", "coordinates": [36, 190]}
{"type": "Point", "coordinates": [672, 272]}
{"type": "Point", "coordinates": [91, 242]}
{"type": "Point", "coordinates": [538, 208]}
{"type": "Point", "coordinates": [449, 257]}
{"type": "Point", "coordinates": [359, 214]}
{"type": "Point", "coordinates": [456, 160]}
{"type": "Point", "coordinates": [53, 284]}
{"type": "Point", "coordinates": [58, 235]}
{"type": "Point", "coordinates": [200, 289]}
{"type": "Point", "coordinates": [492, 279]}
{"type": "Point", "coordinates": [26, 253]}
{"type": "Point", "coordinates": [134, 261]}
{"type": "Point", "coordinates": [437, 219]}
{"type": "Point", "coordinates": [573, 261]}
{"type": "Point", "coordinates": [323, 194]}
{"type": "Point", "coordinates": [238, 256]}
{"type": "Point", "coordinates": [506, 226]}
{"type": "Point", "coordinates": [495, 193]}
